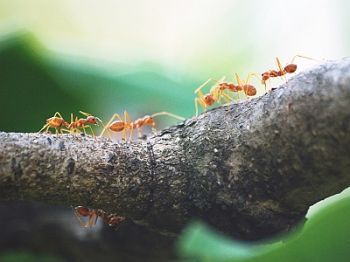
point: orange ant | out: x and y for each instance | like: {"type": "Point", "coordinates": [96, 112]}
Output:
{"type": "Point", "coordinates": [214, 95]}
{"type": "Point", "coordinates": [217, 92]}
{"type": "Point", "coordinates": [56, 122]}
{"type": "Point", "coordinates": [83, 123]}
{"type": "Point", "coordinates": [94, 214]}
{"type": "Point", "coordinates": [288, 69]}
{"type": "Point", "coordinates": [122, 125]}
{"type": "Point", "coordinates": [248, 89]}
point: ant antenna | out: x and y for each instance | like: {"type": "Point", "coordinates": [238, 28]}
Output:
{"type": "Point", "coordinates": [301, 56]}
{"type": "Point", "coordinates": [202, 85]}
{"type": "Point", "coordinates": [168, 114]}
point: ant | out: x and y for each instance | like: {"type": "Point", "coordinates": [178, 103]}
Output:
{"type": "Point", "coordinates": [83, 123]}
{"type": "Point", "coordinates": [56, 122]}
{"type": "Point", "coordinates": [122, 125]}
{"type": "Point", "coordinates": [248, 89]}
{"type": "Point", "coordinates": [217, 92]}
{"type": "Point", "coordinates": [94, 214]}
{"type": "Point", "coordinates": [214, 95]}
{"type": "Point", "coordinates": [288, 69]}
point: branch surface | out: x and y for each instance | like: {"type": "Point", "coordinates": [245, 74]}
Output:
{"type": "Point", "coordinates": [251, 169]}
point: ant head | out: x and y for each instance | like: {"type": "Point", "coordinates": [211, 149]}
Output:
{"type": "Point", "coordinates": [265, 76]}
{"type": "Point", "coordinates": [149, 120]}
{"type": "Point", "coordinates": [291, 68]}
{"type": "Point", "coordinates": [209, 99]}
{"type": "Point", "coordinates": [83, 211]}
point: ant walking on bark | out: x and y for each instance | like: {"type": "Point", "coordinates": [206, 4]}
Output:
{"type": "Point", "coordinates": [94, 214]}
{"type": "Point", "coordinates": [57, 122]}
{"type": "Point", "coordinates": [217, 92]}
{"type": "Point", "coordinates": [60, 125]}
{"type": "Point", "coordinates": [76, 125]}
{"type": "Point", "coordinates": [123, 125]}
{"type": "Point", "coordinates": [282, 71]}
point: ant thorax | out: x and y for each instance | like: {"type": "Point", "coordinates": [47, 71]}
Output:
{"type": "Point", "coordinates": [55, 121]}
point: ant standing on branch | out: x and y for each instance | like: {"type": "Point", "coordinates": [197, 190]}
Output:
{"type": "Point", "coordinates": [282, 71]}
{"type": "Point", "coordinates": [126, 124]}
{"type": "Point", "coordinates": [57, 122]}
{"type": "Point", "coordinates": [83, 123]}
{"type": "Point", "coordinates": [94, 214]}
{"type": "Point", "coordinates": [217, 92]}
{"type": "Point", "coordinates": [75, 126]}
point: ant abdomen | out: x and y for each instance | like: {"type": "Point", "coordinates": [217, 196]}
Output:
{"type": "Point", "coordinates": [291, 68]}
{"type": "Point", "coordinates": [249, 90]}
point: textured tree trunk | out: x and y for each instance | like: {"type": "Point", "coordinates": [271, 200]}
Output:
{"type": "Point", "coordinates": [251, 169]}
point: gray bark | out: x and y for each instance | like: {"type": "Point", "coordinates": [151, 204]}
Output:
{"type": "Point", "coordinates": [251, 169]}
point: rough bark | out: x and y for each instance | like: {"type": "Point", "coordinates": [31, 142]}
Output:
{"type": "Point", "coordinates": [251, 169]}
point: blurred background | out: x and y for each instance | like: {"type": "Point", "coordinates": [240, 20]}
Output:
{"type": "Point", "coordinates": [109, 56]}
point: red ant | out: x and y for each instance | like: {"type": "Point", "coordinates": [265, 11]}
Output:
{"type": "Point", "coordinates": [248, 89]}
{"type": "Point", "coordinates": [83, 123]}
{"type": "Point", "coordinates": [217, 92]}
{"type": "Point", "coordinates": [56, 122]}
{"type": "Point", "coordinates": [288, 69]}
{"type": "Point", "coordinates": [94, 214]}
{"type": "Point", "coordinates": [122, 125]}
{"type": "Point", "coordinates": [214, 95]}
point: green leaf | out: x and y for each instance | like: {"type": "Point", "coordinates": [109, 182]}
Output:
{"type": "Point", "coordinates": [324, 237]}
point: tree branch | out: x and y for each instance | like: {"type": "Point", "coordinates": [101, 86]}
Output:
{"type": "Point", "coordinates": [251, 169]}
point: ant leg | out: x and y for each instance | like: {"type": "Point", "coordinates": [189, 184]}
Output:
{"type": "Point", "coordinates": [240, 83]}
{"type": "Point", "coordinates": [214, 90]}
{"type": "Point", "coordinates": [127, 119]}
{"type": "Point", "coordinates": [65, 130]}
{"type": "Point", "coordinates": [131, 131]}
{"type": "Point", "coordinates": [82, 224]}
{"type": "Point", "coordinates": [252, 74]}
{"type": "Point", "coordinates": [202, 85]}
{"type": "Point", "coordinates": [58, 114]}
{"type": "Point", "coordinates": [92, 219]}
{"type": "Point", "coordinates": [227, 98]}
{"type": "Point", "coordinates": [109, 122]}
{"type": "Point", "coordinates": [84, 130]}
{"type": "Point", "coordinates": [139, 132]}
{"type": "Point", "coordinates": [199, 101]}
{"type": "Point", "coordinates": [92, 131]}
{"type": "Point", "coordinates": [45, 126]}
{"type": "Point", "coordinates": [164, 113]}
{"type": "Point", "coordinates": [282, 71]}
{"type": "Point", "coordinates": [255, 75]}
{"type": "Point", "coordinates": [90, 128]}
{"type": "Point", "coordinates": [196, 105]}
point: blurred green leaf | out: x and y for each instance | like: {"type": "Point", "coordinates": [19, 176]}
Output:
{"type": "Point", "coordinates": [22, 256]}
{"type": "Point", "coordinates": [36, 83]}
{"type": "Point", "coordinates": [323, 238]}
